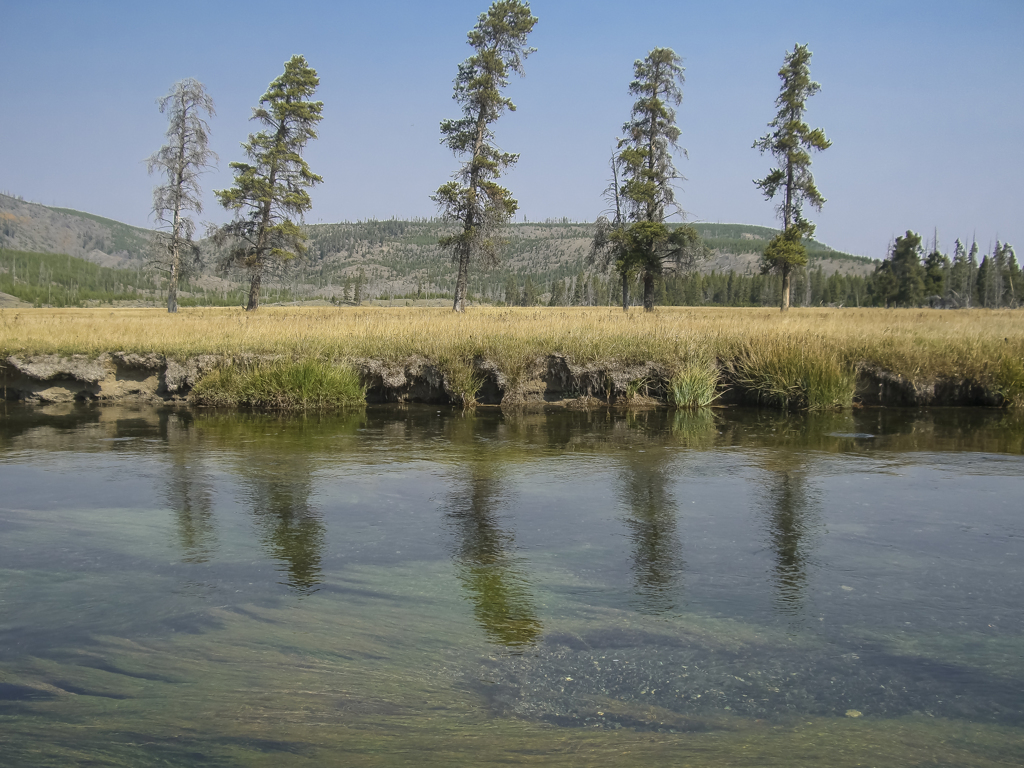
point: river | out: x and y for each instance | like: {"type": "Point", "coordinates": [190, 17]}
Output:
{"type": "Point", "coordinates": [418, 585]}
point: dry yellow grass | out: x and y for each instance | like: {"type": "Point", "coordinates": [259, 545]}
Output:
{"type": "Point", "coordinates": [920, 344]}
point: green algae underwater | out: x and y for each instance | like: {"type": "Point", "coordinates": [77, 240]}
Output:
{"type": "Point", "coordinates": [417, 585]}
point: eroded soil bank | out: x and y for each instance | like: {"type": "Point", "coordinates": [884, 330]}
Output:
{"type": "Point", "coordinates": [549, 381]}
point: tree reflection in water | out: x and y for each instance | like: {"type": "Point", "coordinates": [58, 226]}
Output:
{"type": "Point", "coordinates": [188, 492]}
{"type": "Point", "coordinates": [493, 576]}
{"type": "Point", "coordinates": [791, 523]}
{"type": "Point", "coordinates": [657, 560]}
{"type": "Point", "coordinates": [291, 530]}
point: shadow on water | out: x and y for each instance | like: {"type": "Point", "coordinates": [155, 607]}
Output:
{"type": "Point", "coordinates": [494, 577]}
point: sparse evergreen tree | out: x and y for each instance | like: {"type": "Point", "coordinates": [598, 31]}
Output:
{"type": "Point", "coordinates": [791, 141]}
{"type": "Point", "coordinates": [474, 202]}
{"type": "Point", "coordinates": [270, 189]}
{"type": "Point", "coordinates": [1012, 282]}
{"type": "Point", "coordinates": [972, 274]}
{"type": "Point", "coordinates": [578, 290]}
{"type": "Point", "coordinates": [999, 262]}
{"type": "Point", "coordinates": [530, 296]}
{"type": "Point", "coordinates": [959, 276]}
{"type": "Point", "coordinates": [607, 249]}
{"type": "Point", "coordinates": [997, 278]}
{"type": "Point", "coordinates": [884, 285]}
{"type": "Point", "coordinates": [984, 282]}
{"type": "Point", "coordinates": [184, 157]}
{"type": "Point", "coordinates": [357, 290]}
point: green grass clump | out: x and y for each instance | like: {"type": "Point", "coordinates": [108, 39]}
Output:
{"type": "Point", "coordinates": [797, 377]}
{"type": "Point", "coordinates": [461, 380]}
{"type": "Point", "coordinates": [694, 386]}
{"type": "Point", "coordinates": [1010, 381]}
{"type": "Point", "coordinates": [281, 385]}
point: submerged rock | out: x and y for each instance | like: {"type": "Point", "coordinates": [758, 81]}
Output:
{"type": "Point", "coordinates": [635, 679]}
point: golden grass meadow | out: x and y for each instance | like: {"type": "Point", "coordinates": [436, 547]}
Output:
{"type": "Point", "coordinates": [986, 346]}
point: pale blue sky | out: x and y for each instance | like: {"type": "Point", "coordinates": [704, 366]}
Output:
{"type": "Point", "coordinates": [924, 103]}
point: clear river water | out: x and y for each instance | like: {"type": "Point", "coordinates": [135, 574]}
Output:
{"type": "Point", "coordinates": [421, 586]}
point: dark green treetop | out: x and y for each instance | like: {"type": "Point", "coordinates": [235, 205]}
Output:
{"type": "Point", "coordinates": [791, 141]}
{"type": "Point", "coordinates": [474, 200]}
{"type": "Point", "coordinates": [936, 272]}
{"type": "Point", "coordinates": [271, 187]}
{"type": "Point", "coordinates": [900, 279]}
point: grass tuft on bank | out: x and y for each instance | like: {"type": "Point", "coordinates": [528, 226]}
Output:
{"type": "Point", "coordinates": [695, 384]}
{"type": "Point", "coordinates": [281, 385]}
{"type": "Point", "coordinates": [796, 376]}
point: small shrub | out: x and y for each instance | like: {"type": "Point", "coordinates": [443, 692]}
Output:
{"type": "Point", "coordinates": [637, 388]}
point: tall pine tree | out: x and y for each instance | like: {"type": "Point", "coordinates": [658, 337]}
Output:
{"type": "Point", "coordinates": [791, 141]}
{"type": "Point", "coordinates": [271, 187]}
{"type": "Point", "coordinates": [474, 201]}
{"type": "Point", "coordinates": [637, 242]}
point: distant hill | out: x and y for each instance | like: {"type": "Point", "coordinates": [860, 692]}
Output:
{"type": "Point", "coordinates": [391, 258]}
{"type": "Point", "coordinates": [28, 226]}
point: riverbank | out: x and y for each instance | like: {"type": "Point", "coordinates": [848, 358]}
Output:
{"type": "Point", "coordinates": [576, 357]}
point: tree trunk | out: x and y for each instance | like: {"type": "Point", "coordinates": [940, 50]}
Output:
{"type": "Point", "coordinates": [625, 293]}
{"type": "Point", "coordinates": [172, 287]}
{"type": "Point", "coordinates": [787, 273]}
{"type": "Point", "coordinates": [461, 282]}
{"type": "Point", "coordinates": [465, 251]}
{"type": "Point", "coordinates": [648, 292]}
{"type": "Point", "coordinates": [254, 292]}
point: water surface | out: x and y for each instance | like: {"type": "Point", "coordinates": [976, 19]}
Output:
{"type": "Point", "coordinates": [422, 586]}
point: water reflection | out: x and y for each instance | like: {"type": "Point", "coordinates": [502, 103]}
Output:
{"type": "Point", "coordinates": [694, 428]}
{"type": "Point", "coordinates": [791, 520]}
{"type": "Point", "coordinates": [290, 529]}
{"type": "Point", "coordinates": [656, 561]}
{"type": "Point", "coordinates": [276, 469]}
{"type": "Point", "coordinates": [494, 577]}
{"type": "Point", "coordinates": [188, 491]}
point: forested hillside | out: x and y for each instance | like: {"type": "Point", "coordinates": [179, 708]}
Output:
{"type": "Point", "coordinates": [390, 260]}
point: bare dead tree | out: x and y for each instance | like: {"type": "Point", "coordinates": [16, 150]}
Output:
{"type": "Point", "coordinates": [184, 157]}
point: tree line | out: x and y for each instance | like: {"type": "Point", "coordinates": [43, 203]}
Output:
{"type": "Point", "coordinates": [59, 280]}
{"type": "Point", "coordinates": [634, 243]}
{"type": "Point", "coordinates": [909, 278]}
{"type": "Point", "coordinates": [271, 186]}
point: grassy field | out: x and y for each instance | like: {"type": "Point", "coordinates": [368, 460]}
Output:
{"type": "Point", "coordinates": [981, 345]}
